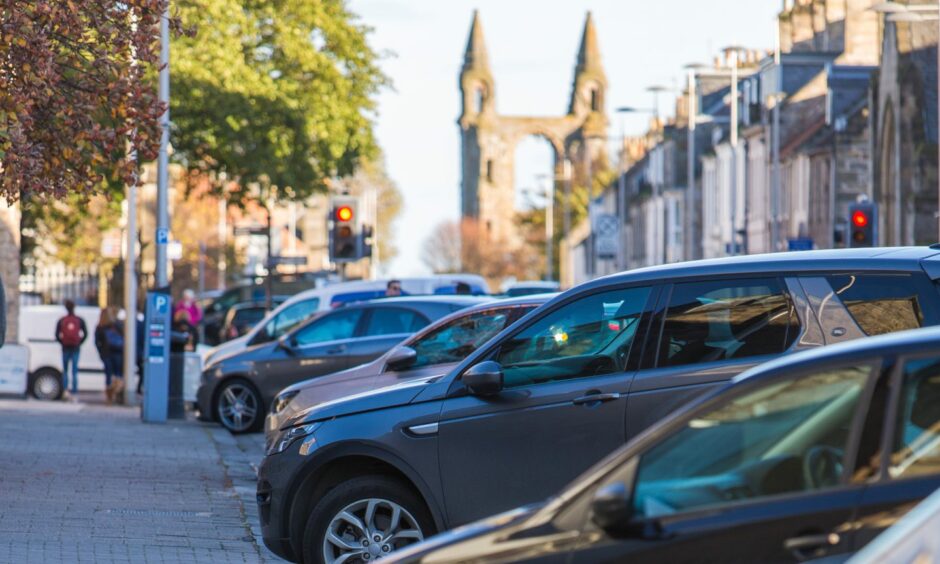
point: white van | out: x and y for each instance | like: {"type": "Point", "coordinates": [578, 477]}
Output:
{"type": "Point", "coordinates": [301, 306]}
{"type": "Point", "coordinates": [37, 333]}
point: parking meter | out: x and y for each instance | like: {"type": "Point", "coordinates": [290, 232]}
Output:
{"type": "Point", "coordinates": [156, 356]}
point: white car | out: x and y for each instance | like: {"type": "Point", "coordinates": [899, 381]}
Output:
{"type": "Point", "coordinates": [301, 306]}
{"type": "Point", "coordinates": [37, 333]}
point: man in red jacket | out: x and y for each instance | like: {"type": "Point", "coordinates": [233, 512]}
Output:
{"type": "Point", "coordinates": [71, 332]}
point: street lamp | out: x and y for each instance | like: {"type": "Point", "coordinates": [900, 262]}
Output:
{"type": "Point", "coordinates": [692, 111]}
{"type": "Point", "coordinates": [732, 53]}
{"type": "Point", "coordinates": [549, 195]}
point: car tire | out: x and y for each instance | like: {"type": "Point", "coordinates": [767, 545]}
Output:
{"type": "Point", "coordinates": [355, 497]}
{"type": "Point", "coordinates": [46, 384]}
{"type": "Point", "coordinates": [238, 407]}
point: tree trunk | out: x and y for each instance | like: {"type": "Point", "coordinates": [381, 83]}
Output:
{"type": "Point", "coordinates": [10, 264]}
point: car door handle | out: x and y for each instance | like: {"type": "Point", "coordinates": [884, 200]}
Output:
{"type": "Point", "coordinates": [336, 350]}
{"type": "Point", "coordinates": [803, 545]}
{"type": "Point", "coordinates": [595, 398]}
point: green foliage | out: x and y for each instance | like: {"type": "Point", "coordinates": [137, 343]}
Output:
{"type": "Point", "coordinates": [279, 92]}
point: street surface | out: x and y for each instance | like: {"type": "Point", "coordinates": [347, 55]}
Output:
{"type": "Point", "coordinates": [83, 482]}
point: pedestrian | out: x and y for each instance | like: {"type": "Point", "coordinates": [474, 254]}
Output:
{"type": "Point", "coordinates": [463, 289]}
{"type": "Point", "coordinates": [393, 289]}
{"type": "Point", "coordinates": [183, 326]}
{"type": "Point", "coordinates": [109, 340]}
{"type": "Point", "coordinates": [188, 304]}
{"type": "Point", "coordinates": [70, 332]}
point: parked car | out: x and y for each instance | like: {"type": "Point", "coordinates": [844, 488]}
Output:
{"type": "Point", "coordinates": [548, 397]}
{"type": "Point", "coordinates": [808, 457]}
{"type": "Point", "coordinates": [237, 390]}
{"type": "Point", "coordinates": [911, 540]}
{"type": "Point", "coordinates": [300, 307]}
{"type": "Point", "coordinates": [429, 353]}
{"type": "Point", "coordinates": [242, 317]}
{"type": "Point", "coordinates": [530, 287]}
{"type": "Point", "coordinates": [37, 325]}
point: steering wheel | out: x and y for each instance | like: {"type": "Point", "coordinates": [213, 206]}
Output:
{"type": "Point", "coordinates": [822, 466]}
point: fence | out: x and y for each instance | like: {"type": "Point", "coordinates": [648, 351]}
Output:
{"type": "Point", "coordinates": [55, 284]}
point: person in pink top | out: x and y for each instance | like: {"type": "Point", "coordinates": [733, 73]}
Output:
{"type": "Point", "coordinates": [189, 305]}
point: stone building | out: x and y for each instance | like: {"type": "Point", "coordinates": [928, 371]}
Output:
{"type": "Point", "coordinates": [905, 114]}
{"type": "Point", "coordinates": [489, 139]}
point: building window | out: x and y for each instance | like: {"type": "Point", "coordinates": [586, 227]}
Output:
{"type": "Point", "coordinates": [478, 98]}
{"type": "Point", "coordinates": [595, 100]}
{"type": "Point", "coordinates": [489, 170]}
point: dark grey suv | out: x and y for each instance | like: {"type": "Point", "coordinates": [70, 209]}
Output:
{"type": "Point", "coordinates": [563, 387]}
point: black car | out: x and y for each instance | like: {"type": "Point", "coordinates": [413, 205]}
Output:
{"type": "Point", "coordinates": [237, 389]}
{"type": "Point", "coordinates": [806, 457]}
{"type": "Point", "coordinates": [565, 386]}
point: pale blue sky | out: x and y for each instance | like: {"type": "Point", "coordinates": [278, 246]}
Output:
{"type": "Point", "coordinates": [532, 47]}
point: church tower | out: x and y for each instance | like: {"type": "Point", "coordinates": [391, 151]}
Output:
{"type": "Point", "coordinates": [478, 97]}
{"type": "Point", "coordinates": [588, 101]}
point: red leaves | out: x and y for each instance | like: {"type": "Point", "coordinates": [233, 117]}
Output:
{"type": "Point", "coordinates": [77, 93]}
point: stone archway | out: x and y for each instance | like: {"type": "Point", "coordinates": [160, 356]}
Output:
{"type": "Point", "coordinates": [488, 139]}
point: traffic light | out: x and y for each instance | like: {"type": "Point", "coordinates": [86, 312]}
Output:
{"type": "Point", "coordinates": [345, 232]}
{"type": "Point", "coordinates": [863, 218]}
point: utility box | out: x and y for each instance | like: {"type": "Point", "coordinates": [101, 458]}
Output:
{"type": "Point", "coordinates": [156, 386]}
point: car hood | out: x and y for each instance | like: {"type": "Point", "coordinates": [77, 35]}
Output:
{"type": "Point", "coordinates": [401, 393]}
{"type": "Point", "coordinates": [225, 349]}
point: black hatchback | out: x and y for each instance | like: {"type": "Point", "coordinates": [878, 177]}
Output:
{"type": "Point", "coordinates": [806, 457]}
{"type": "Point", "coordinates": [563, 387]}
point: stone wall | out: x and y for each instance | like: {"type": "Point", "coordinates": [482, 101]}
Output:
{"type": "Point", "coordinates": [10, 264]}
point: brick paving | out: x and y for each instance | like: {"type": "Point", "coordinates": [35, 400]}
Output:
{"type": "Point", "coordinates": [82, 482]}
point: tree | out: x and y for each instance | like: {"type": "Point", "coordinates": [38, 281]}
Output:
{"type": "Point", "coordinates": [466, 246]}
{"type": "Point", "coordinates": [275, 93]}
{"type": "Point", "coordinates": [441, 251]}
{"type": "Point", "coordinates": [74, 93]}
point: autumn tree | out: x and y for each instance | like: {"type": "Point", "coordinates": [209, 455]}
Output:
{"type": "Point", "coordinates": [465, 246]}
{"type": "Point", "coordinates": [75, 100]}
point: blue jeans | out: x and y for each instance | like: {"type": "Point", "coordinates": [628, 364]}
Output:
{"type": "Point", "coordinates": [70, 360]}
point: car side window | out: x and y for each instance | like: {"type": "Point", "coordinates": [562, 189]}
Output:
{"type": "Point", "coordinates": [916, 449]}
{"type": "Point", "coordinates": [332, 327]}
{"type": "Point", "coordinates": [587, 337]}
{"type": "Point", "coordinates": [393, 321]}
{"type": "Point", "coordinates": [291, 317]}
{"type": "Point", "coordinates": [723, 320]}
{"type": "Point", "coordinates": [778, 438]}
{"type": "Point", "coordinates": [880, 303]}
{"type": "Point", "coordinates": [455, 340]}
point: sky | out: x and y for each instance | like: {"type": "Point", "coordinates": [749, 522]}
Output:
{"type": "Point", "coordinates": [532, 46]}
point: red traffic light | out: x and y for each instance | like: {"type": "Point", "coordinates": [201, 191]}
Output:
{"type": "Point", "coordinates": [859, 218]}
{"type": "Point", "coordinates": [344, 213]}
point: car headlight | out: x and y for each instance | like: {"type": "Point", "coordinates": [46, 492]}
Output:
{"type": "Point", "coordinates": [289, 436]}
{"type": "Point", "coordinates": [282, 399]}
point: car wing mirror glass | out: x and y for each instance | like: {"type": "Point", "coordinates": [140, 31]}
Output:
{"type": "Point", "coordinates": [612, 508]}
{"type": "Point", "coordinates": [288, 343]}
{"type": "Point", "coordinates": [401, 358]}
{"type": "Point", "coordinates": [484, 379]}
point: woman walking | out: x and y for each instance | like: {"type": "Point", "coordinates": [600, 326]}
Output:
{"type": "Point", "coordinates": [109, 340]}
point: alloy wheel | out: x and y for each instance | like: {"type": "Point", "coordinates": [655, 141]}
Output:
{"type": "Point", "coordinates": [47, 386]}
{"type": "Point", "coordinates": [238, 407]}
{"type": "Point", "coordinates": [367, 530]}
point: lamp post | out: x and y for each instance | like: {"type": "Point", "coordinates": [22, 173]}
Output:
{"type": "Point", "coordinates": [732, 53]}
{"type": "Point", "coordinates": [624, 210]}
{"type": "Point", "coordinates": [163, 219]}
{"type": "Point", "coordinates": [690, 194]}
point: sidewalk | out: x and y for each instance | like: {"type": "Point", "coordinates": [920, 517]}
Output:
{"type": "Point", "coordinates": [82, 482]}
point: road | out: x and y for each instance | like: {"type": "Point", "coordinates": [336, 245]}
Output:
{"type": "Point", "coordinates": [83, 482]}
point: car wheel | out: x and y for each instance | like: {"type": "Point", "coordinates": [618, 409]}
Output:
{"type": "Point", "coordinates": [364, 519]}
{"type": "Point", "coordinates": [46, 384]}
{"type": "Point", "coordinates": [238, 407]}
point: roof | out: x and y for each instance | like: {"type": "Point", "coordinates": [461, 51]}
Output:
{"type": "Point", "coordinates": [463, 300]}
{"type": "Point", "coordinates": [898, 343]}
{"type": "Point", "coordinates": [889, 258]}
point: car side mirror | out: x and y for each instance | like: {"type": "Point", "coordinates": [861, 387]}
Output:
{"type": "Point", "coordinates": [484, 379]}
{"type": "Point", "coordinates": [612, 508]}
{"type": "Point", "coordinates": [288, 343]}
{"type": "Point", "coordinates": [401, 358]}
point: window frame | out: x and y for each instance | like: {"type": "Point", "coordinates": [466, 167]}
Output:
{"type": "Point", "coordinates": [511, 313]}
{"type": "Point", "coordinates": [643, 330]}
{"type": "Point", "coordinates": [921, 283]}
{"type": "Point", "coordinates": [890, 426]}
{"type": "Point", "coordinates": [361, 329]}
{"type": "Point", "coordinates": [317, 319]}
{"type": "Point", "coordinates": [651, 358]}
{"type": "Point", "coordinates": [876, 363]}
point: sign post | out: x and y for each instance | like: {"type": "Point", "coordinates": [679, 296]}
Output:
{"type": "Point", "coordinates": [156, 356]}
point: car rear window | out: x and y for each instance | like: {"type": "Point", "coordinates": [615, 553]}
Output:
{"type": "Point", "coordinates": [881, 303]}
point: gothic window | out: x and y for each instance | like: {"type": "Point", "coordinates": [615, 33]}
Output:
{"type": "Point", "coordinates": [489, 170]}
{"type": "Point", "coordinates": [478, 98]}
{"type": "Point", "coordinates": [595, 100]}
